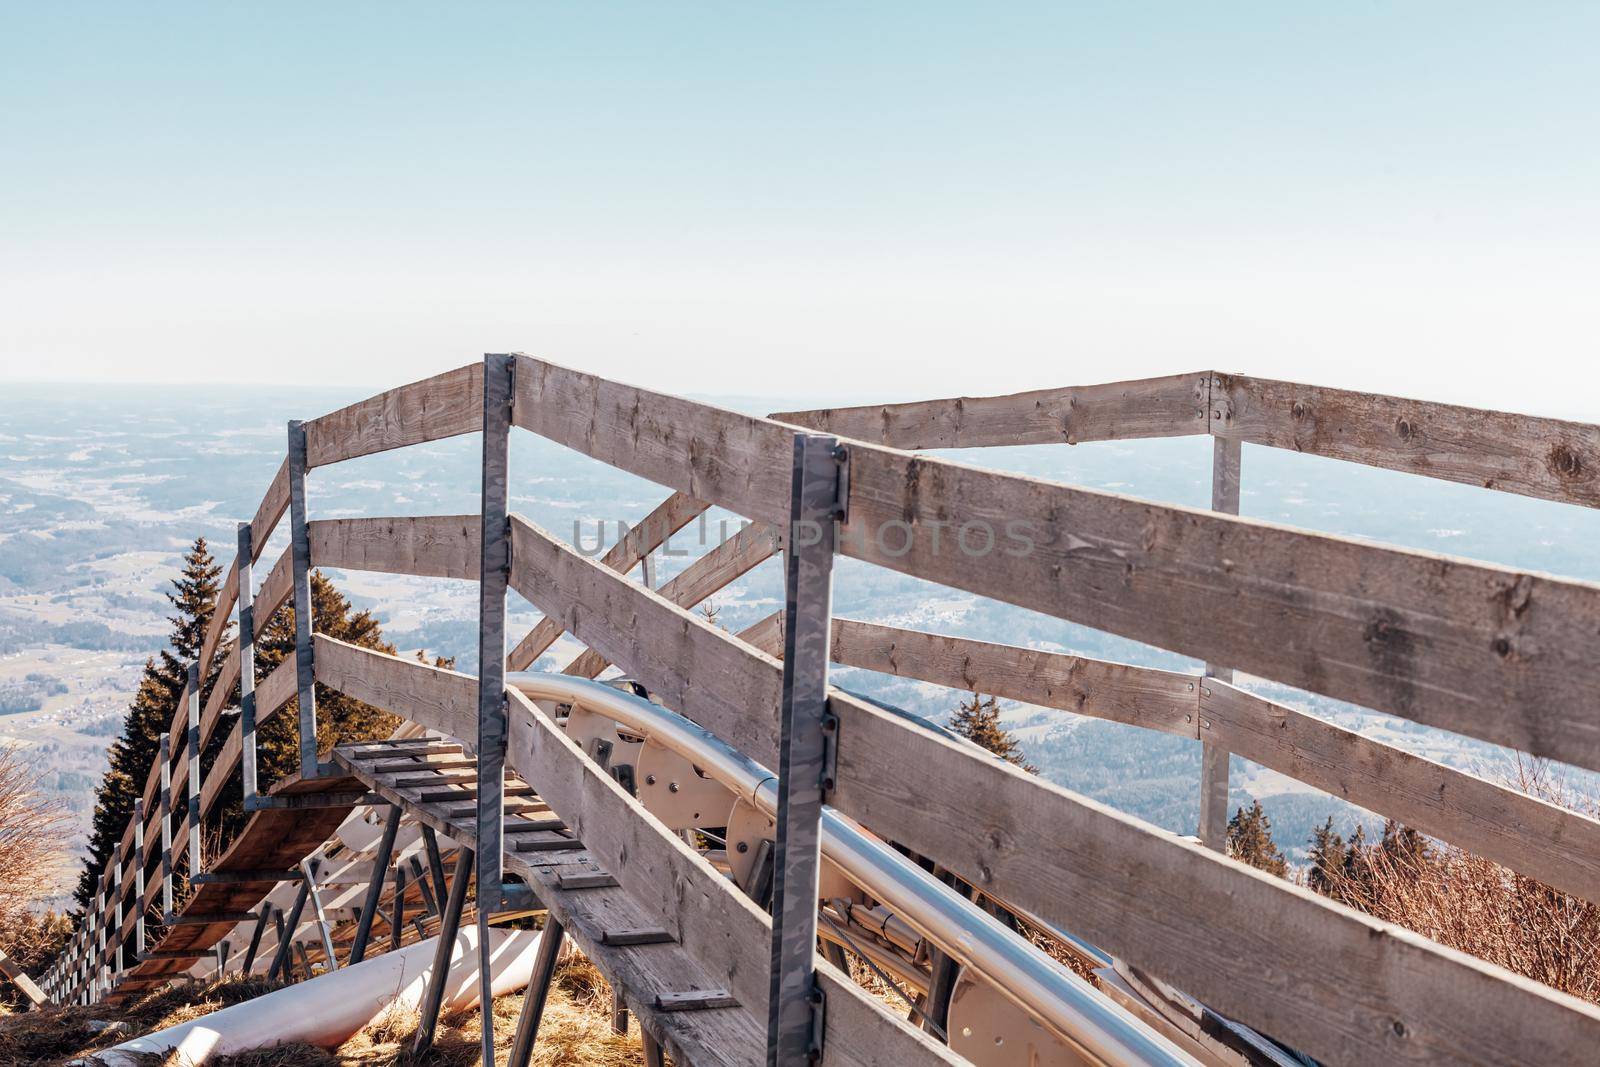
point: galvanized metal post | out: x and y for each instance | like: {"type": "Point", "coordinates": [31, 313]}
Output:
{"type": "Point", "coordinates": [817, 497]}
{"type": "Point", "coordinates": [116, 910]}
{"type": "Point", "coordinates": [194, 770]}
{"type": "Point", "coordinates": [247, 666]}
{"type": "Point", "coordinates": [300, 553]}
{"type": "Point", "coordinates": [380, 867]}
{"type": "Point", "coordinates": [1213, 757]}
{"type": "Point", "coordinates": [166, 826]}
{"type": "Point", "coordinates": [493, 576]}
{"type": "Point", "coordinates": [449, 926]}
{"type": "Point", "coordinates": [138, 877]}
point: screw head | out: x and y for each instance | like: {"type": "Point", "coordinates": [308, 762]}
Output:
{"type": "Point", "coordinates": [649, 779]}
{"type": "Point", "coordinates": [742, 846]}
{"type": "Point", "coordinates": [672, 787]}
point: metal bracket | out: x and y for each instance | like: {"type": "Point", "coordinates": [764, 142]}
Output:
{"type": "Point", "coordinates": [819, 1018]}
{"type": "Point", "coordinates": [830, 753]}
{"type": "Point", "coordinates": [841, 502]}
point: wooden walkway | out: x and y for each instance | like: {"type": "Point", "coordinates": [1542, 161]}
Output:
{"type": "Point", "coordinates": [672, 993]}
{"type": "Point", "coordinates": [274, 840]}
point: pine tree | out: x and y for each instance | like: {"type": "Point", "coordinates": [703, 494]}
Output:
{"type": "Point", "coordinates": [130, 757]}
{"type": "Point", "coordinates": [1328, 854]}
{"type": "Point", "coordinates": [1250, 841]}
{"type": "Point", "coordinates": [979, 722]}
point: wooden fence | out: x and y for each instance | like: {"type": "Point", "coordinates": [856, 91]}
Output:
{"type": "Point", "coordinates": [1491, 652]}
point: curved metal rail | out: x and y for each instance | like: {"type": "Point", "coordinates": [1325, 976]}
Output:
{"type": "Point", "coordinates": [1029, 978]}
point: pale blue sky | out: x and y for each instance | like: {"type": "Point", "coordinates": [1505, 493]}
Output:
{"type": "Point", "coordinates": [885, 199]}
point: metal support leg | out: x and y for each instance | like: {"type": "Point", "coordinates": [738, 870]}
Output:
{"type": "Point", "coordinates": [450, 925]}
{"type": "Point", "coordinates": [281, 960]}
{"type": "Point", "coordinates": [304, 649]}
{"type": "Point", "coordinates": [194, 770]}
{"type": "Point", "coordinates": [166, 825]}
{"type": "Point", "coordinates": [493, 576]}
{"type": "Point", "coordinates": [380, 867]}
{"type": "Point", "coordinates": [223, 948]}
{"type": "Point", "coordinates": [794, 1012]}
{"type": "Point", "coordinates": [247, 667]}
{"type": "Point", "coordinates": [1214, 758]}
{"type": "Point", "coordinates": [431, 904]}
{"type": "Point", "coordinates": [652, 1050]}
{"type": "Point", "coordinates": [533, 1001]}
{"type": "Point", "coordinates": [430, 845]}
{"type": "Point", "coordinates": [308, 872]}
{"type": "Point", "coordinates": [255, 937]}
{"type": "Point", "coordinates": [397, 923]}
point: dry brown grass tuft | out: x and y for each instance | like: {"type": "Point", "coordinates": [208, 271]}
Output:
{"type": "Point", "coordinates": [1481, 908]}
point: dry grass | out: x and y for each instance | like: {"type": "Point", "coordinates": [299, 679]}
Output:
{"type": "Point", "coordinates": [576, 1031]}
{"type": "Point", "coordinates": [1481, 908]}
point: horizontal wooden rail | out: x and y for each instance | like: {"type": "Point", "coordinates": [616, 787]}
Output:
{"type": "Point", "coordinates": [1489, 651]}
{"type": "Point", "coordinates": [1160, 700]}
{"type": "Point", "coordinates": [726, 563]}
{"type": "Point", "coordinates": [1173, 406]}
{"type": "Point", "coordinates": [431, 546]}
{"type": "Point", "coordinates": [1552, 459]}
{"type": "Point", "coordinates": [445, 405]}
{"type": "Point", "coordinates": [1524, 454]}
{"type": "Point", "coordinates": [433, 697]}
{"type": "Point", "coordinates": [1362, 991]}
{"type": "Point", "coordinates": [1544, 841]}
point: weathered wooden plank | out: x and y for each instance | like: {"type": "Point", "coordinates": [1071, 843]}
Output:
{"type": "Point", "coordinates": [1500, 654]}
{"type": "Point", "coordinates": [438, 699]}
{"type": "Point", "coordinates": [672, 515]}
{"type": "Point", "coordinates": [433, 546]}
{"type": "Point", "coordinates": [1360, 991]}
{"type": "Point", "coordinates": [643, 632]}
{"type": "Point", "coordinates": [718, 925]}
{"type": "Point", "coordinates": [1532, 837]}
{"type": "Point", "coordinates": [275, 589]}
{"type": "Point", "coordinates": [727, 563]}
{"type": "Point", "coordinates": [442, 406]}
{"type": "Point", "coordinates": [1173, 406]}
{"type": "Point", "coordinates": [1525, 454]}
{"type": "Point", "coordinates": [273, 504]}
{"type": "Point", "coordinates": [1139, 696]}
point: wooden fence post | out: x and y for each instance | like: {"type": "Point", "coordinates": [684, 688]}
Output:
{"type": "Point", "coordinates": [1213, 757]}
{"type": "Point", "coordinates": [817, 498]}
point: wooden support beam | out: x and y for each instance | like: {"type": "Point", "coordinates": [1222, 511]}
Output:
{"type": "Point", "coordinates": [445, 405]}
{"type": "Point", "coordinates": [1173, 406]}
